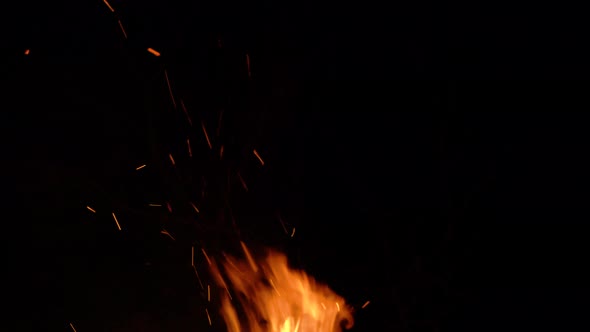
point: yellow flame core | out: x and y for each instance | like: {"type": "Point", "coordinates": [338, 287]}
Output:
{"type": "Point", "coordinates": [274, 298]}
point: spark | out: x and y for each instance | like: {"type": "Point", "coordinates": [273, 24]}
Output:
{"type": "Point", "coordinates": [188, 143]}
{"type": "Point", "coordinates": [122, 29]}
{"type": "Point", "coordinates": [195, 207]}
{"type": "Point", "coordinates": [72, 326]}
{"type": "Point", "coordinates": [338, 306]}
{"type": "Point", "coordinates": [190, 122]}
{"type": "Point", "coordinates": [221, 152]}
{"type": "Point", "coordinates": [140, 167]}
{"type": "Point", "coordinates": [172, 159]}
{"type": "Point", "coordinates": [283, 224]}
{"type": "Point", "coordinates": [208, 293]}
{"type": "Point", "coordinates": [169, 207]}
{"type": "Point", "coordinates": [242, 181]}
{"type": "Point", "coordinates": [117, 221]}
{"type": "Point", "coordinates": [293, 233]}
{"type": "Point", "coordinates": [258, 156]}
{"type": "Point", "coordinates": [153, 204]}
{"type": "Point", "coordinates": [165, 232]}
{"type": "Point", "coordinates": [108, 5]}
{"type": "Point", "coordinates": [91, 209]}
{"type": "Point", "coordinates": [208, 317]}
{"type": "Point", "coordinates": [170, 89]}
{"type": "Point", "coordinates": [365, 305]}
{"type": "Point", "coordinates": [323, 306]}
{"type": "Point", "coordinates": [198, 277]}
{"type": "Point", "coordinates": [249, 257]}
{"type": "Point", "coordinates": [193, 256]}
{"type": "Point", "coordinates": [206, 135]}
{"type": "Point", "coordinates": [206, 256]}
{"type": "Point", "coordinates": [154, 52]}
{"type": "Point", "coordinates": [248, 65]}
{"type": "Point", "coordinates": [27, 51]}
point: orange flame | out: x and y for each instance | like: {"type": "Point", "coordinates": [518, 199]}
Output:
{"type": "Point", "coordinates": [274, 298]}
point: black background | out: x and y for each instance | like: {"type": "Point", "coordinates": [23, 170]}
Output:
{"type": "Point", "coordinates": [449, 201]}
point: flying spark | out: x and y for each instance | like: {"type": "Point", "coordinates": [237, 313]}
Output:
{"type": "Point", "coordinates": [108, 5]}
{"type": "Point", "coordinates": [117, 221]}
{"type": "Point", "coordinates": [206, 135]}
{"type": "Point", "coordinates": [366, 304]}
{"type": "Point", "coordinates": [154, 52]}
{"type": "Point", "coordinates": [293, 233]}
{"type": "Point", "coordinates": [152, 204]}
{"type": "Point", "coordinates": [91, 209]}
{"type": "Point", "coordinates": [172, 159]}
{"type": "Point", "coordinates": [165, 232]}
{"type": "Point", "coordinates": [198, 277]}
{"type": "Point", "coordinates": [73, 328]}
{"type": "Point", "coordinates": [193, 256]}
{"type": "Point", "coordinates": [140, 167]}
{"type": "Point", "coordinates": [195, 207]}
{"type": "Point", "coordinates": [188, 143]}
{"type": "Point", "coordinates": [208, 293]}
{"type": "Point", "coordinates": [190, 122]}
{"type": "Point", "coordinates": [208, 317]}
{"type": "Point", "coordinates": [243, 182]}
{"type": "Point", "coordinates": [338, 306]}
{"type": "Point", "coordinates": [27, 52]}
{"type": "Point", "coordinates": [221, 152]}
{"type": "Point", "coordinates": [122, 29]}
{"type": "Point", "coordinates": [206, 256]}
{"type": "Point", "coordinates": [258, 156]}
{"type": "Point", "coordinates": [170, 89]}
{"type": "Point", "coordinates": [169, 207]}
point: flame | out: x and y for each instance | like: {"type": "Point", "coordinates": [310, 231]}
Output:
{"type": "Point", "coordinates": [271, 297]}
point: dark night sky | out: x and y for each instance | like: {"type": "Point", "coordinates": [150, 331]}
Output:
{"type": "Point", "coordinates": [451, 204]}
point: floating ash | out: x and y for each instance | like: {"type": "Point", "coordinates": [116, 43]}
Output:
{"type": "Point", "coordinates": [268, 296]}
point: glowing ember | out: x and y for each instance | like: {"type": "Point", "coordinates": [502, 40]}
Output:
{"type": "Point", "coordinates": [272, 297]}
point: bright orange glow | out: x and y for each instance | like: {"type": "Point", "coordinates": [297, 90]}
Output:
{"type": "Point", "coordinates": [27, 52]}
{"type": "Point", "coordinates": [90, 209]}
{"type": "Point", "coordinates": [154, 52]}
{"type": "Point", "coordinates": [259, 158]}
{"type": "Point", "coordinates": [108, 5]}
{"type": "Point", "coordinates": [275, 298]}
